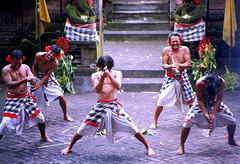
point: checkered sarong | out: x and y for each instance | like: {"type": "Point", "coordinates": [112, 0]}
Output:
{"type": "Point", "coordinates": [195, 109]}
{"type": "Point", "coordinates": [51, 81]}
{"type": "Point", "coordinates": [183, 79]}
{"type": "Point", "coordinates": [192, 33]}
{"type": "Point", "coordinates": [74, 33]}
{"type": "Point", "coordinates": [14, 104]}
{"type": "Point", "coordinates": [98, 112]}
{"type": "Point", "coordinates": [223, 117]}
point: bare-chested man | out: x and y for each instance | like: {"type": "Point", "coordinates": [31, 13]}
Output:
{"type": "Point", "coordinates": [47, 88]}
{"type": "Point", "coordinates": [108, 113]}
{"type": "Point", "coordinates": [208, 111]}
{"type": "Point", "coordinates": [21, 107]}
{"type": "Point", "coordinates": [176, 89]}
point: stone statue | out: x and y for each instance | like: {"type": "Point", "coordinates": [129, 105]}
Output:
{"type": "Point", "coordinates": [80, 12]}
{"type": "Point", "coordinates": [190, 11]}
{"type": "Point", "coordinates": [188, 20]}
{"type": "Point", "coordinates": [80, 24]}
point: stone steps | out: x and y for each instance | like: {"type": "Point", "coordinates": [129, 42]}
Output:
{"type": "Point", "coordinates": [150, 15]}
{"type": "Point", "coordinates": [135, 6]}
{"type": "Point", "coordinates": [142, 80]}
{"type": "Point", "coordinates": [135, 35]}
{"type": "Point", "coordinates": [140, 25]}
{"type": "Point", "coordinates": [150, 18]}
{"type": "Point", "coordinates": [141, 84]}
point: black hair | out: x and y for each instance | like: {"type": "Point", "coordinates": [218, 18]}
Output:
{"type": "Point", "coordinates": [174, 34]}
{"type": "Point", "coordinates": [212, 83]}
{"type": "Point", "coordinates": [103, 59]}
{"type": "Point", "coordinates": [16, 54]}
{"type": "Point", "coordinates": [55, 49]}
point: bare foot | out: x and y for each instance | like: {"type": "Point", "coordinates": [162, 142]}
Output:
{"type": "Point", "coordinates": [46, 139]}
{"type": "Point", "coordinates": [180, 151]}
{"type": "Point", "coordinates": [153, 126]}
{"type": "Point", "coordinates": [234, 143]}
{"type": "Point", "coordinates": [150, 152]}
{"type": "Point", "coordinates": [68, 118]}
{"type": "Point", "coordinates": [66, 150]}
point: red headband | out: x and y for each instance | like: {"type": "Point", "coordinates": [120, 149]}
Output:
{"type": "Point", "coordinates": [10, 60]}
{"type": "Point", "coordinates": [168, 40]}
{"type": "Point", "coordinates": [196, 1]}
{"type": "Point", "coordinates": [89, 1]}
{"type": "Point", "coordinates": [48, 48]}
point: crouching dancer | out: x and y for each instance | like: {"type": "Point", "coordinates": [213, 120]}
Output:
{"type": "Point", "coordinates": [21, 108]}
{"type": "Point", "coordinates": [48, 89]}
{"type": "Point", "coordinates": [108, 113]}
{"type": "Point", "coordinates": [208, 110]}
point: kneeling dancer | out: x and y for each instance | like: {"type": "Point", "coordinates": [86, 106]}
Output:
{"type": "Point", "coordinates": [108, 113]}
{"type": "Point", "coordinates": [20, 108]}
{"type": "Point", "coordinates": [208, 110]}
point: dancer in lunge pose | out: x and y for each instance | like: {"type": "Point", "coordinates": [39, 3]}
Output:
{"type": "Point", "coordinates": [208, 111]}
{"type": "Point", "coordinates": [108, 113]}
{"type": "Point", "coordinates": [20, 108]}
{"type": "Point", "coordinates": [176, 89]}
{"type": "Point", "coordinates": [47, 88]}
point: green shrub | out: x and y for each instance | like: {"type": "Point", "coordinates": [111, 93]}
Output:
{"type": "Point", "coordinates": [231, 80]}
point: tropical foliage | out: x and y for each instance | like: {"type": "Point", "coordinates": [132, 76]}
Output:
{"type": "Point", "coordinates": [65, 71]}
{"type": "Point", "coordinates": [206, 62]}
{"type": "Point", "coordinates": [231, 80]}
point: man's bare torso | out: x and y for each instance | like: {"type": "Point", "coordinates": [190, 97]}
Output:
{"type": "Point", "coordinates": [108, 90]}
{"type": "Point", "coordinates": [177, 56]}
{"type": "Point", "coordinates": [43, 64]}
{"type": "Point", "coordinates": [17, 75]}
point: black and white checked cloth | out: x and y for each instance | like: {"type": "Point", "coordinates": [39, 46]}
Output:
{"type": "Point", "coordinates": [51, 81]}
{"type": "Point", "coordinates": [80, 34]}
{"type": "Point", "coordinates": [99, 110]}
{"type": "Point", "coordinates": [183, 79]}
{"type": "Point", "coordinates": [14, 105]}
{"type": "Point", "coordinates": [195, 109]}
{"type": "Point", "coordinates": [193, 33]}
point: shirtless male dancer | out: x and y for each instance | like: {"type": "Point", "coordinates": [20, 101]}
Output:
{"type": "Point", "coordinates": [176, 89]}
{"type": "Point", "coordinates": [20, 108]}
{"type": "Point", "coordinates": [108, 113]}
{"type": "Point", "coordinates": [47, 88]}
{"type": "Point", "coordinates": [208, 111]}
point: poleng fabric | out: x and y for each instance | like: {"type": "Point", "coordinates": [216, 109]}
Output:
{"type": "Point", "coordinates": [111, 116]}
{"type": "Point", "coordinates": [223, 117]}
{"type": "Point", "coordinates": [191, 32]}
{"type": "Point", "coordinates": [48, 92]}
{"type": "Point", "coordinates": [84, 33]}
{"type": "Point", "coordinates": [14, 103]}
{"type": "Point", "coordinates": [176, 90]}
{"type": "Point", "coordinates": [20, 111]}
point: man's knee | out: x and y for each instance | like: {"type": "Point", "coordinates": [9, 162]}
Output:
{"type": "Point", "coordinates": [187, 124]}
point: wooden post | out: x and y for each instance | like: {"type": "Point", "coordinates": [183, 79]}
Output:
{"type": "Point", "coordinates": [100, 45]}
{"type": "Point", "coordinates": [39, 27]}
{"type": "Point", "coordinates": [61, 17]}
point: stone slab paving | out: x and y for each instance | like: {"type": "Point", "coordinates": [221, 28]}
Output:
{"type": "Point", "coordinates": [28, 148]}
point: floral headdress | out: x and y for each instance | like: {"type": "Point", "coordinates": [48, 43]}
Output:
{"type": "Point", "coordinates": [63, 44]}
{"type": "Point", "coordinates": [10, 59]}
{"type": "Point", "coordinates": [89, 2]}
{"type": "Point", "coordinates": [168, 40]}
{"type": "Point", "coordinates": [196, 1]}
{"type": "Point", "coordinates": [48, 48]}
